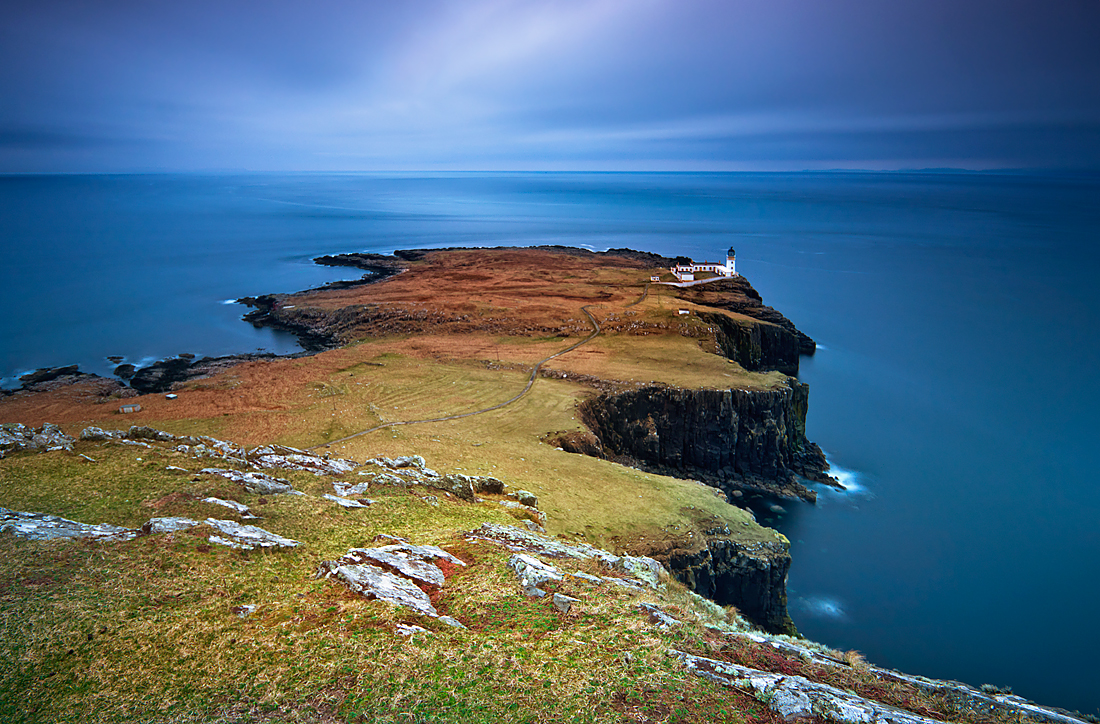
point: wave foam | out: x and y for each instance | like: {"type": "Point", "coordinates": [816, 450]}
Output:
{"type": "Point", "coordinates": [821, 607]}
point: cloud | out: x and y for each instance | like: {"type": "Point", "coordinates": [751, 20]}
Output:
{"type": "Point", "coordinates": [598, 83]}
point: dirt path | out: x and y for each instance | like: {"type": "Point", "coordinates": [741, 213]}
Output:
{"type": "Point", "coordinates": [524, 391]}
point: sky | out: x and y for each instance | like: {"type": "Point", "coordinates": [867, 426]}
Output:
{"type": "Point", "coordinates": [601, 85]}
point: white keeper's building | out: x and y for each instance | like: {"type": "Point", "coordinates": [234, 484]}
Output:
{"type": "Point", "coordinates": [686, 272]}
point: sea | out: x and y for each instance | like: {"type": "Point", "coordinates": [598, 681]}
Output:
{"type": "Point", "coordinates": [954, 389]}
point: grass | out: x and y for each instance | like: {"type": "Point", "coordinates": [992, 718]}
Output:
{"type": "Point", "coordinates": [146, 630]}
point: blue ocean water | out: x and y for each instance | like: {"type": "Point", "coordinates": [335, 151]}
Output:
{"type": "Point", "coordinates": [955, 386]}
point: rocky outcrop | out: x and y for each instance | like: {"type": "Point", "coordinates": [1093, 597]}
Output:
{"type": "Point", "coordinates": [259, 483]}
{"type": "Point", "coordinates": [731, 439]}
{"type": "Point", "coordinates": [639, 571]}
{"type": "Point", "coordinates": [735, 294]}
{"type": "Point", "coordinates": [756, 346]}
{"type": "Point", "coordinates": [795, 698]}
{"type": "Point", "coordinates": [40, 526]}
{"type": "Point", "coordinates": [168, 374]}
{"type": "Point", "coordinates": [246, 537]}
{"type": "Point", "coordinates": [397, 573]}
{"type": "Point", "coordinates": [751, 576]}
{"type": "Point", "coordinates": [18, 438]}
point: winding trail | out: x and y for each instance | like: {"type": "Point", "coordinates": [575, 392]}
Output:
{"type": "Point", "coordinates": [530, 382]}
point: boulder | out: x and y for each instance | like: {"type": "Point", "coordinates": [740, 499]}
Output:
{"type": "Point", "coordinates": [39, 526]}
{"type": "Point", "coordinates": [17, 438]}
{"type": "Point", "coordinates": [527, 498]}
{"type": "Point", "coordinates": [246, 537]}
{"type": "Point", "coordinates": [259, 483]}
{"type": "Point", "coordinates": [488, 485]}
{"type": "Point", "coordinates": [563, 603]}
{"type": "Point", "coordinates": [641, 568]}
{"type": "Point", "coordinates": [657, 616]}
{"type": "Point", "coordinates": [374, 582]}
{"type": "Point", "coordinates": [240, 508]}
{"type": "Point", "coordinates": [408, 461]}
{"type": "Point", "coordinates": [461, 486]}
{"type": "Point", "coordinates": [95, 434]}
{"type": "Point", "coordinates": [143, 432]}
{"type": "Point", "coordinates": [409, 629]}
{"type": "Point", "coordinates": [532, 573]}
{"type": "Point", "coordinates": [347, 502]}
{"type": "Point", "coordinates": [168, 525]}
{"type": "Point", "coordinates": [344, 489]}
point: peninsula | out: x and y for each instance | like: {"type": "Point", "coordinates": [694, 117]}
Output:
{"type": "Point", "coordinates": [502, 486]}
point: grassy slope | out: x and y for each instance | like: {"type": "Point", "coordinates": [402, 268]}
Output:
{"type": "Point", "coordinates": [146, 630]}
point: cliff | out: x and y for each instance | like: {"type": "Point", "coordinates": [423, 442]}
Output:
{"type": "Point", "coordinates": [732, 439]}
{"type": "Point", "coordinates": [735, 294]}
{"type": "Point", "coordinates": [755, 346]}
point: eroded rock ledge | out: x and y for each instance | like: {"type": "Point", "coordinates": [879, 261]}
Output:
{"type": "Point", "coordinates": [734, 440]}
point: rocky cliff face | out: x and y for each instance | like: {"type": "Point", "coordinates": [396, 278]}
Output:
{"type": "Point", "coordinates": [750, 576]}
{"type": "Point", "coordinates": [731, 439]}
{"type": "Point", "coordinates": [755, 346]}
{"type": "Point", "coordinates": [737, 295]}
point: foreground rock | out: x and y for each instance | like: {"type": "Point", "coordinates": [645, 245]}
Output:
{"type": "Point", "coordinates": [273, 457]}
{"type": "Point", "coordinates": [246, 537]}
{"type": "Point", "coordinates": [646, 571]}
{"type": "Point", "coordinates": [979, 702]}
{"type": "Point", "coordinates": [239, 508]}
{"type": "Point", "coordinates": [394, 573]}
{"type": "Point", "coordinates": [40, 526]}
{"type": "Point", "coordinates": [797, 698]}
{"type": "Point", "coordinates": [168, 525]}
{"type": "Point", "coordinates": [20, 438]}
{"type": "Point", "coordinates": [410, 470]}
{"type": "Point", "coordinates": [289, 458]}
{"type": "Point", "coordinates": [259, 483]}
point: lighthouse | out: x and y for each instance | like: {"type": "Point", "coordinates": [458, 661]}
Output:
{"type": "Point", "coordinates": [731, 263]}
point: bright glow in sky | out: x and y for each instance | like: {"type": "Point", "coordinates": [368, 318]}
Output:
{"type": "Point", "coordinates": [136, 85]}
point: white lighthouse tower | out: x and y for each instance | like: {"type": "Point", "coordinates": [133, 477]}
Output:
{"type": "Point", "coordinates": [731, 263]}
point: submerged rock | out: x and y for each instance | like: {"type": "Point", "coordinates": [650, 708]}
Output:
{"type": "Point", "coordinates": [40, 526]}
